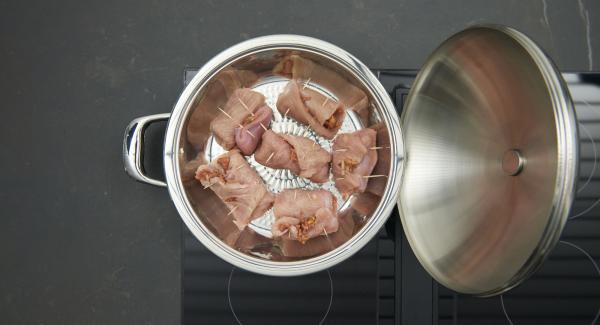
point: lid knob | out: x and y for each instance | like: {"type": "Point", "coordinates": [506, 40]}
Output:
{"type": "Point", "coordinates": [512, 162]}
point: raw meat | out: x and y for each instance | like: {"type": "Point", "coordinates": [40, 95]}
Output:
{"type": "Point", "coordinates": [237, 111]}
{"type": "Point", "coordinates": [248, 137]}
{"type": "Point", "coordinates": [237, 185]}
{"type": "Point", "coordinates": [312, 159]}
{"type": "Point", "coordinates": [354, 157]}
{"type": "Point", "coordinates": [321, 244]}
{"type": "Point", "coordinates": [377, 185]}
{"type": "Point", "coordinates": [299, 68]}
{"type": "Point", "coordinates": [216, 94]}
{"type": "Point", "coordinates": [275, 152]}
{"type": "Point", "coordinates": [309, 107]}
{"type": "Point", "coordinates": [301, 215]}
{"type": "Point", "coordinates": [300, 155]}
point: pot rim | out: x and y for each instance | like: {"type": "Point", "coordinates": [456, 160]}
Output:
{"type": "Point", "coordinates": [379, 96]}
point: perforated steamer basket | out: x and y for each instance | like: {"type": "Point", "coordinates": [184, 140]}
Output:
{"type": "Point", "coordinates": [260, 55]}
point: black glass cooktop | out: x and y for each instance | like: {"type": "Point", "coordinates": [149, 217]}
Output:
{"type": "Point", "coordinates": [384, 283]}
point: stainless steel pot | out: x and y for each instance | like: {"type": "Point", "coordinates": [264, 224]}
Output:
{"type": "Point", "coordinates": [489, 168]}
{"type": "Point", "coordinates": [260, 55]}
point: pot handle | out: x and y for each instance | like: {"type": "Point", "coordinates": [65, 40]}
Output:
{"type": "Point", "coordinates": [133, 148]}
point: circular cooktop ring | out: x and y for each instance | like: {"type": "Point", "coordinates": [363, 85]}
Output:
{"type": "Point", "coordinates": [594, 264]}
{"type": "Point", "coordinates": [237, 319]}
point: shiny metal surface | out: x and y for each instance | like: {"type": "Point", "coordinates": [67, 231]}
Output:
{"type": "Point", "coordinates": [260, 55]}
{"type": "Point", "coordinates": [488, 95]}
{"type": "Point", "coordinates": [133, 148]}
{"type": "Point", "coordinates": [278, 180]}
{"type": "Point", "coordinates": [512, 162]}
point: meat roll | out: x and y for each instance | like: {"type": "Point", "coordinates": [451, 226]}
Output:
{"type": "Point", "coordinates": [242, 109]}
{"type": "Point", "coordinates": [309, 107]}
{"type": "Point", "coordinates": [299, 68]}
{"type": "Point", "coordinates": [354, 158]}
{"type": "Point", "coordinates": [321, 244]}
{"type": "Point", "coordinates": [301, 215]}
{"type": "Point", "coordinates": [216, 95]}
{"type": "Point", "coordinates": [300, 155]}
{"type": "Point", "coordinates": [237, 185]}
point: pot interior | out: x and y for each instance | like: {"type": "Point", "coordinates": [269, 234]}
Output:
{"type": "Point", "coordinates": [268, 71]}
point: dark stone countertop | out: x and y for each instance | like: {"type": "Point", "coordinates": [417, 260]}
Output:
{"type": "Point", "coordinates": [80, 242]}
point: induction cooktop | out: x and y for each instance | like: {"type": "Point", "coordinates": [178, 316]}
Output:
{"type": "Point", "coordinates": [384, 283]}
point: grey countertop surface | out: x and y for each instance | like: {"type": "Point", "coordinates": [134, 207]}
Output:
{"type": "Point", "coordinates": [80, 242]}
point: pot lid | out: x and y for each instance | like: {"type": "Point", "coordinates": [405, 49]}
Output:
{"type": "Point", "coordinates": [491, 160]}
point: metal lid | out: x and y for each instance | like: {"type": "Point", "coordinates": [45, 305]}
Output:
{"type": "Point", "coordinates": [491, 160]}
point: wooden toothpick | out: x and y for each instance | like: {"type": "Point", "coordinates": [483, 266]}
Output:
{"type": "Point", "coordinates": [264, 127]}
{"type": "Point", "coordinates": [306, 84]}
{"type": "Point", "coordinates": [232, 210]}
{"type": "Point", "coordinates": [252, 135]}
{"type": "Point", "coordinates": [341, 150]}
{"type": "Point", "coordinates": [373, 176]}
{"type": "Point", "coordinates": [246, 107]}
{"type": "Point", "coordinates": [209, 185]}
{"type": "Point", "coordinates": [271, 156]}
{"type": "Point", "coordinates": [286, 112]}
{"type": "Point", "coordinates": [226, 114]}
{"type": "Point", "coordinates": [247, 131]}
{"type": "Point", "coordinates": [325, 101]}
{"type": "Point", "coordinates": [376, 148]}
